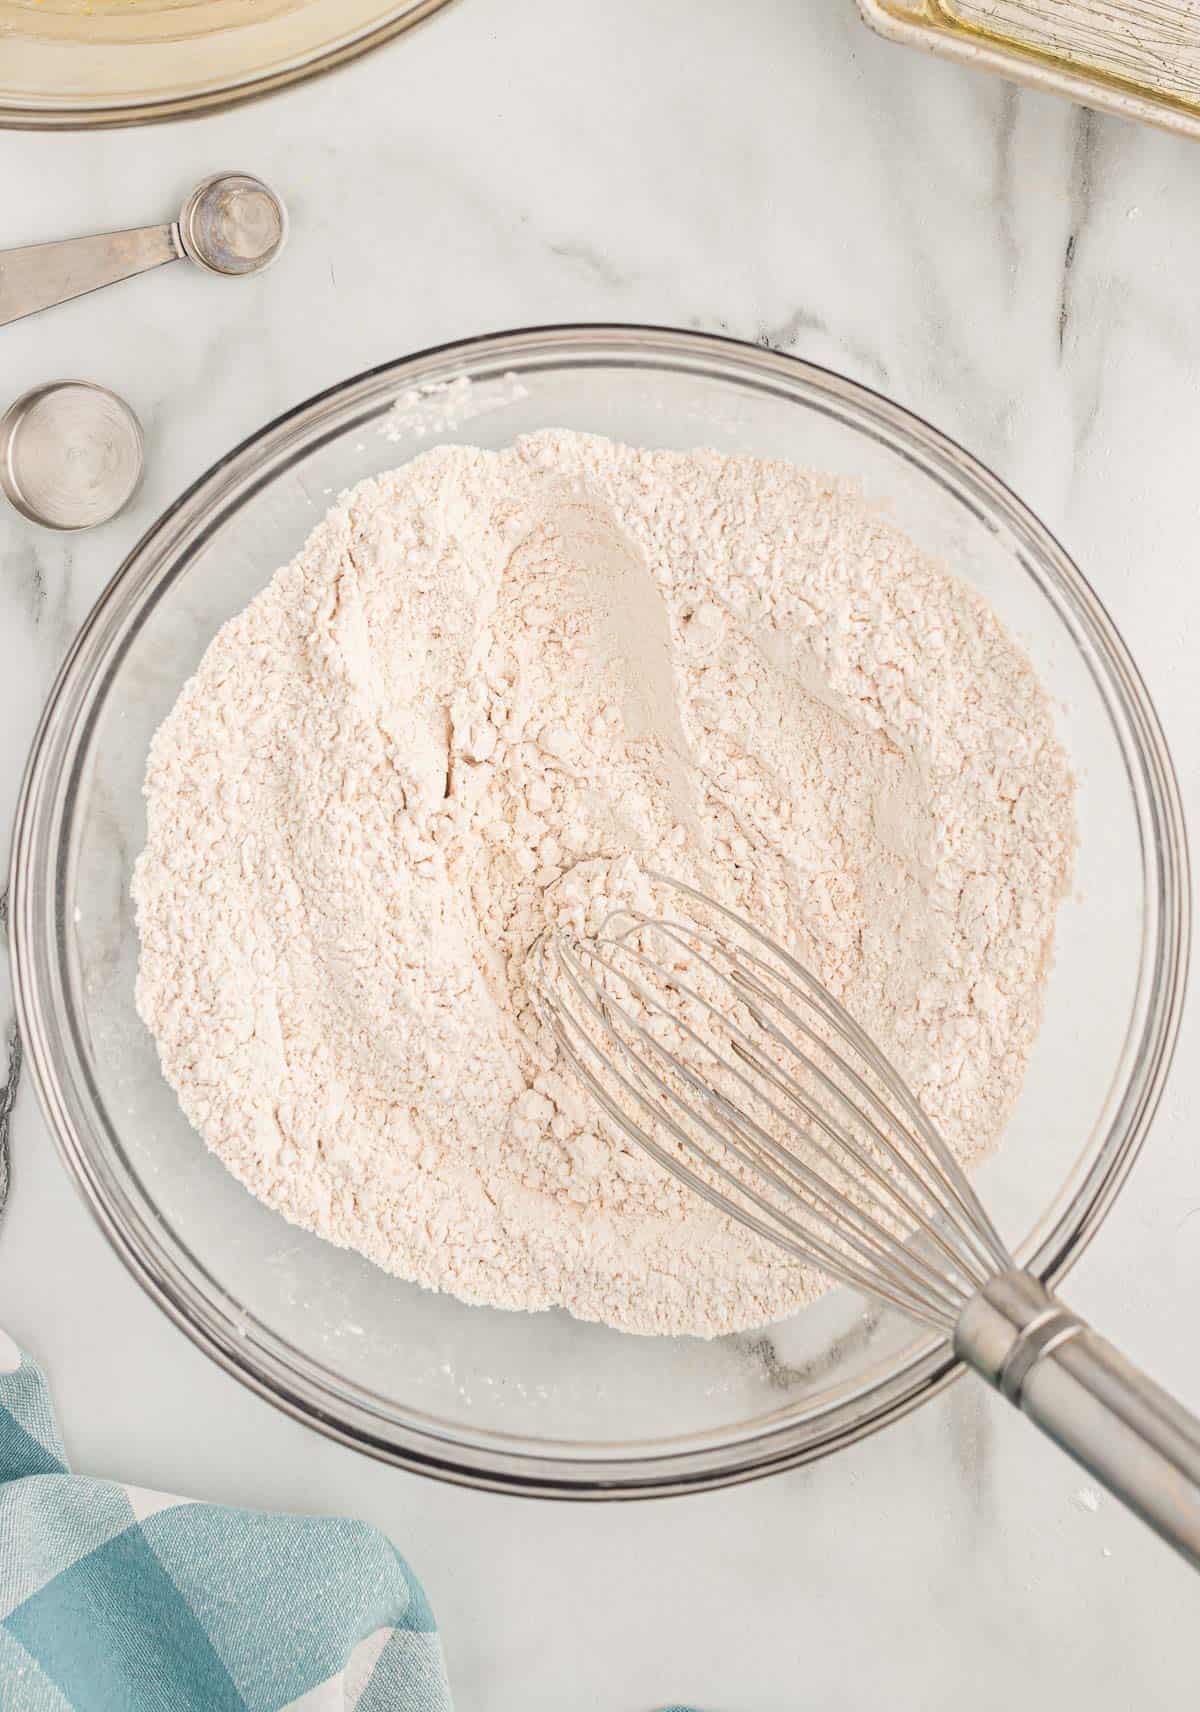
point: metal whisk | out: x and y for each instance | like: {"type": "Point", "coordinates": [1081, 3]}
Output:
{"type": "Point", "coordinates": [731, 1066]}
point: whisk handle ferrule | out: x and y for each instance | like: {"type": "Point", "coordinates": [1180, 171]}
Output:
{"type": "Point", "coordinates": [1118, 1424]}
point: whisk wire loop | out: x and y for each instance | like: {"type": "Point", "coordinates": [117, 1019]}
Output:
{"type": "Point", "coordinates": [792, 974]}
{"type": "Point", "coordinates": [924, 1183]}
{"type": "Point", "coordinates": [802, 1243]}
{"type": "Point", "coordinates": [572, 1038]}
{"type": "Point", "coordinates": [786, 1169]}
{"type": "Point", "coordinates": [784, 1173]}
{"type": "Point", "coordinates": [733, 1068]}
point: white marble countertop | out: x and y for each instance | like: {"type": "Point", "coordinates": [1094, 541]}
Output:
{"type": "Point", "coordinates": [1016, 270]}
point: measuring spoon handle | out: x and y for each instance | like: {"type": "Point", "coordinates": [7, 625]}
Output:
{"type": "Point", "coordinates": [39, 275]}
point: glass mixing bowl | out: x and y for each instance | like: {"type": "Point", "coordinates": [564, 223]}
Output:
{"type": "Point", "coordinates": [68, 64]}
{"type": "Point", "coordinates": [541, 1403]}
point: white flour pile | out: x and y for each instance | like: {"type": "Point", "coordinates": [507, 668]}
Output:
{"type": "Point", "coordinates": [489, 687]}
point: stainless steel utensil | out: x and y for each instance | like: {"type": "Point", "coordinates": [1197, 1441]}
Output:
{"type": "Point", "coordinates": [730, 1065]}
{"type": "Point", "coordinates": [71, 454]}
{"type": "Point", "coordinates": [231, 224]}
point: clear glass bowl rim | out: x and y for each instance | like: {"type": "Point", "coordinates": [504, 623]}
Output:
{"type": "Point", "coordinates": [41, 855]}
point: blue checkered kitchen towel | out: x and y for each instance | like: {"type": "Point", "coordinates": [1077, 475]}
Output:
{"type": "Point", "coordinates": [117, 1600]}
{"type": "Point", "coordinates": [113, 1599]}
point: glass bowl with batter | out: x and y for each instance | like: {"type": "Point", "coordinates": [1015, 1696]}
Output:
{"type": "Point", "coordinates": [544, 1403]}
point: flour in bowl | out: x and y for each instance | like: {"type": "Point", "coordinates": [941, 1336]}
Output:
{"type": "Point", "coordinates": [493, 687]}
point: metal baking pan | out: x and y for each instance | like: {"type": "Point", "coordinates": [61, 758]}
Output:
{"type": "Point", "coordinates": [1139, 59]}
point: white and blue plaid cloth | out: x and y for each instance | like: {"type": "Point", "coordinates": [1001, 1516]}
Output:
{"type": "Point", "coordinates": [117, 1600]}
{"type": "Point", "coordinates": [114, 1599]}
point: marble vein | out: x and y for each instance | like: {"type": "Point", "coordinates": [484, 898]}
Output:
{"type": "Point", "coordinates": [781, 1375]}
{"type": "Point", "coordinates": [592, 260]}
{"type": "Point", "coordinates": [14, 1052]}
{"type": "Point", "coordinates": [1004, 184]}
{"type": "Point", "coordinates": [801, 323]}
{"type": "Point", "coordinates": [1079, 201]}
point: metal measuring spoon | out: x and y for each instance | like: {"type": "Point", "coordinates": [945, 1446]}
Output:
{"type": "Point", "coordinates": [231, 224]}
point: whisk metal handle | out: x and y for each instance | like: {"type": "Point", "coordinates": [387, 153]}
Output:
{"type": "Point", "coordinates": [1123, 1428]}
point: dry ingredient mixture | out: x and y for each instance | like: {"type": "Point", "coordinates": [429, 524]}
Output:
{"type": "Point", "coordinates": [490, 689]}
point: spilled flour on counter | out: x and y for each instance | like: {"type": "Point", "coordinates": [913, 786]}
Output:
{"type": "Point", "coordinates": [489, 689]}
